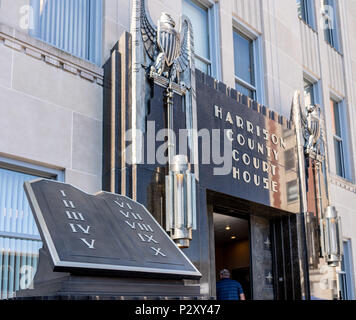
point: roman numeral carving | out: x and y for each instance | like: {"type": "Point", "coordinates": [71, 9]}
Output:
{"type": "Point", "coordinates": [142, 226]}
{"type": "Point", "coordinates": [127, 214]}
{"type": "Point", "coordinates": [68, 204]}
{"type": "Point", "coordinates": [74, 228]}
{"type": "Point", "coordinates": [77, 228]}
{"type": "Point", "coordinates": [122, 204]}
{"type": "Point", "coordinates": [74, 215]}
{"type": "Point", "coordinates": [158, 251]}
{"type": "Point", "coordinates": [136, 216]}
{"type": "Point", "coordinates": [132, 226]}
{"type": "Point", "coordinates": [119, 204]}
{"type": "Point", "coordinates": [90, 245]}
{"type": "Point", "coordinates": [145, 227]}
{"type": "Point", "coordinates": [146, 238]}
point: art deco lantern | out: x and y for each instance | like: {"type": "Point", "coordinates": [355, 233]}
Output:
{"type": "Point", "coordinates": [331, 237]}
{"type": "Point", "coordinates": [180, 201]}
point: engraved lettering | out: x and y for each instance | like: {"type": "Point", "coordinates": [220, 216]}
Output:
{"type": "Point", "coordinates": [283, 143]}
{"type": "Point", "coordinates": [218, 112]}
{"type": "Point", "coordinates": [85, 230]}
{"type": "Point", "coordinates": [149, 228]}
{"type": "Point", "coordinates": [141, 226]}
{"type": "Point", "coordinates": [229, 118]}
{"type": "Point", "coordinates": [132, 226]}
{"type": "Point", "coordinates": [150, 239]}
{"type": "Point", "coordinates": [90, 245]}
{"type": "Point", "coordinates": [119, 204]}
{"type": "Point", "coordinates": [75, 216]}
{"type": "Point", "coordinates": [122, 204]}
{"type": "Point", "coordinates": [158, 251]}
{"type": "Point", "coordinates": [147, 239]}
{"type": "Point", "coordinates": [127, 214]}
{"type": "Point", "coordinates": [68, 204]}
{"type": "Point", "coordinates": [249, 126]}
{"type": "Point", "coordinates": [275, 153]}
{"type": "Point", "coordinates": [73, 228]}
{"type": "Point", "coordinates": [144, 227]}
{"type": "Point", "coordinates": [136, 216]}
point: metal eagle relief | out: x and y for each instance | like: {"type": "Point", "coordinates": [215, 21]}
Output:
{"type": "Point", "coordinates": [170, 51]}
{"type": "Point", "coordinates": [312, 124]}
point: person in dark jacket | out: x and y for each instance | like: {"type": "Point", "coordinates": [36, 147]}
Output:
{"type": "Point", "coordinates": [228, 289]}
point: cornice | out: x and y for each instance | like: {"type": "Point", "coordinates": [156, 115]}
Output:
{"type": "Point", "coordinates": [342, 183]}
{"type": "Point", "coordinates": [37, 49]}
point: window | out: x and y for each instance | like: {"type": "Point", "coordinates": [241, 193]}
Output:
{"type": "Point", "coordinates": [289, 159]}
{"type": "Point", "coordinates": [244, 65]}
{"type": "Point", "coordinates": [330, 23]}
{"type": "Point", "coordinates": [72, 26]}
{"type": "Point", "coordinates": [306, 11]}
{"type": "Point", "coordinates": [205, 28]}
{"type": "Point", "coordinates": [19, 238]}
{"type": "Point", "coordinates": [346, 281]}
{"type": "Point", "coordinates": [339, 148]}
{"type": "Point", "coordinates": [292, 191]}
{"type": "Point", "coordinates": [309, 93]}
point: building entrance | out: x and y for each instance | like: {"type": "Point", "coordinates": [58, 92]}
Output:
{"type": "Point", "coordinates": [259, 246]}
{"type": "Point", "coordinates": [232, 249]}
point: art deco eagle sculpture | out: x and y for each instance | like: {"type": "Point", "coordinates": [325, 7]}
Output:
{"type": "Point", "coordinates": [311, 123]}
{"type": "Point", "coordinates": [170, 54]}
{"type": "Point", "coordinates": [310, 119]}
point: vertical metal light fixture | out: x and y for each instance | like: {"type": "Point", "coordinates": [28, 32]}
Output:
{"type": "Point", "coordinates": [310, 128]}
{"type": "Point", "coordinates": [331, 236]}
{"type": "Point", "coordinates": [168, 57]}
{"type": "Point", "coordinates": [330, 224]}
{"type": "Point", "coordinates": [180, 201]}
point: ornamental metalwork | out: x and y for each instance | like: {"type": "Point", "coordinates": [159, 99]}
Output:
{"type": "Point", "coordinates": [312, 150]}
{"type": "Point", "coordinates": [167, 57]}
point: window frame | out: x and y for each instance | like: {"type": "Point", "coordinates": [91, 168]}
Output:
{"type": "Point", "coordinates": [292, 196]}
{"type": "Point", "coordinates": [346, 272]}
{"type": "Point", "coordinates": [334, 33]}
{"type": "Point", "coordinates": [309, 9]}
{"type": "Point", "coordinates": [315, 83]}
{"type": "Point", "coordinates": [30, 169]}
{"type": "Point", "coordinates": [16, 240]}
{"type": "Point", "coordinates": [240, 81]}
{"type": "Point", "coordinates": [91, 45]}
{"type": "Point", "coordinates": [344, 138]}
{"type": "Point", "coordinates": [239, 27]}
{"type": "Point", "coordinates": [213, 63]}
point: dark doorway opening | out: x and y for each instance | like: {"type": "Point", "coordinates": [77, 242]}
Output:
{"type": "Point", "coordinates": [232, 249]}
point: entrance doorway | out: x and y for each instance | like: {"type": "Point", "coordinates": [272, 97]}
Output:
{"type": "Point", "coordinates": [232, 249]}
{"type": "Point", "coordinates": [258, 244]}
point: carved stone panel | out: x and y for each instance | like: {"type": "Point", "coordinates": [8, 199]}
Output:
{"type": "Point", "coordinates": [103, 233]}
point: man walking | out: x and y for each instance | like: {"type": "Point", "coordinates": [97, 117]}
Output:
{"type": "Point", "coordinates": [228, 289]}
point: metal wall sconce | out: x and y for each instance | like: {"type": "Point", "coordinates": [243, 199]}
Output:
{"type": "Point", "coordinates": [180, 201]}
{"type": "Point", "coordinates": [331, 237]}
